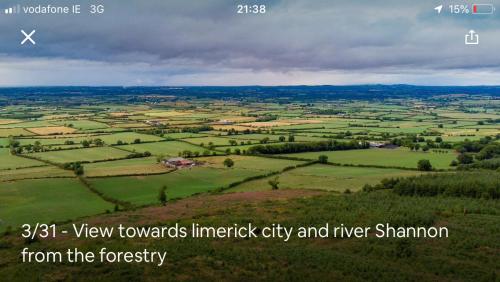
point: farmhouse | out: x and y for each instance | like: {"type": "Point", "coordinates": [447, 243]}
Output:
{"type": "Point", "coordinates": [376, 144]}
{"type": "Point", "coordinates": [153, 122]}
{"type": "Point", "coordinates": [223, 122]}
{"type": "Point", "coordinates": [382, 145]}
{"type": "Point", "coordinates": [179, 162]}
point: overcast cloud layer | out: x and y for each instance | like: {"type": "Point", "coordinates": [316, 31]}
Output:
{"type": "Point", "coordinates": [204, 42]}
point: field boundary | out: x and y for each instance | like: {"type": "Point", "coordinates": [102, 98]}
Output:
{"type": "Point", "coordinates": [251, 178]}
{"type": "Point", "coordinates": [124, 204]}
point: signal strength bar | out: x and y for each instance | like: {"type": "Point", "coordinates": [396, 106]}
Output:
{"type": "Point", "coordinates": [12, 10]}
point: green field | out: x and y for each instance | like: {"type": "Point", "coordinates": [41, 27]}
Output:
{"type": "Point", "coordinates": [250, 162]}
{"type": "Point", "coordinates": [128, 137]}
{"type": "Point", "coordinates": [45, 171]}
{"type": "Point", "coordinates": [82, 155]}
{"type": "Point", "coordinates": [382, 157]}
{"type": "Point", "coordinates": [82, 124]}
{"type": "Point", "coordinates": [46, 200]}
{"type": "Point", "coordinates": [9, 161]}
{"type": "Point", "coordinates": [125, 167]}
{"type": "Point", "coordinates": [142, 190]}
{"type": "Point", "coordinates": [169, 148]}
{"type": "Point", "coordinates": [217, 141]}
{"type": "Point", "coordinates": [325, 177]}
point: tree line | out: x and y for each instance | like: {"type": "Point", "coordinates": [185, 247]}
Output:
{"type": "Point", "coordinates": [331, 145]}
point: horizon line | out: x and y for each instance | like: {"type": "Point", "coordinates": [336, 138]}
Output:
{"type": "Point", "coordinates": [251, 85]}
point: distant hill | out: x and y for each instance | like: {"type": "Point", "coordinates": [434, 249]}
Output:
{"type": "Point", "coordinates": [295, 92]}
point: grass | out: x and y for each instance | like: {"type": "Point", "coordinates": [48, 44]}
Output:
{"type": "Point", "coordinates": [81, 155]}
{"type": "Point", "coordinates": [46, 200]}
{"type": "Point", "coordinates": [82, 124]}
{"type": "Point", "coordinates": [125, 167]}
{"type": "Point", "coordinates": [383, 157]}
{"type": "Point", "coordinates": [216, 141]}
{"type": "Point", "coordinates": [143, 190]}
{"type": "Point", "coordinates": [250, 162]}
{"type": "Point", "coordinates": [128, 137]}
{"type": "Point", "coordinates": [169, 148]}
{"type": "Point", "coordinates": [325, 177]}
{"type": "Point", "coordinates": [9, 161]}
{"type": "Point", "coordinates": [46, 171]}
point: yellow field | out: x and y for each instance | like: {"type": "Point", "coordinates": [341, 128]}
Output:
{"type": "Point", "coordinates": [283, 122]}
{"type": "Point", "coordinates": [9, 121]}
{"type": "Point", "coordinates": [166, 114]}
{"type": "Point", "coordinates": [119, 114]}
{"type": "Point", "coordinates": [228, 127]}
{"type": "Point", "coordinates": [46, 130]}
{"type": "Point", "coordinates": [5, 132]}
{"type": "Point", "coordinates": [237, 118]}
{"type": "Point", "coordinates": [130, 125]}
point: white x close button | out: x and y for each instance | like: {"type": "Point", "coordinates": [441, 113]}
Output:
{"type": "Point", "coordinates": [28, 37]}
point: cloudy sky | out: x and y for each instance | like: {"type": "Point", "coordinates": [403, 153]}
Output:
{"type": "Point", "coordinates": [205, 42]}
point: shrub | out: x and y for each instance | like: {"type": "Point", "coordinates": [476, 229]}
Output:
{"type": "Point", "coordinates": [162, 195]}
{"type": "Point", "coordinates": [424, 165]}
{"type": "Point", "coordinates": [274, 183]}
{"type": "Point", "coordinates": [323, 159]}
{"type": "Point", "coordinates": [228, 162]}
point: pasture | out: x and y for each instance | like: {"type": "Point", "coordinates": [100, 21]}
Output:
{"type": "Point", "coordinates": [143, 190]}
{"type": "Point", "coordinates": [139, 166]}
{"type": "Point", "coordinates": [168, 148]}
{"type": "Point", "coordinates": [47, 200]}
{"type": "Point", "coordinates": [81, 155]}
{"type": "Point", "coordinates": [382, 157]}
{"type": "Point", "coordinates": [325, 177]}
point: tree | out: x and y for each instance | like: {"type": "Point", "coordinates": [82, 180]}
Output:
{"type": "Point", "coordinates": [424, 165]}
{"type": "Point", "coordinates": [282, 138]}
{"type": "Point", "coordinates": [323, 159]}
{"type": "Point", "coordinates": [488, 152]}
{"type": "Point", "coordinates": [465, 158]}
{"type": "Point", "coordinates": [78, 168]}
{"type": "Point", "coordinates": [425, 148]}
{"type": "Point", "coordinates": [85, 143]}
{"type": "Point", "coordinates": [137, 141]}
{"type": "Point", "coordinates": [291, 138]}
{"type": "Point", "coordinates": [160, 158]}
{"type": "Point", "coordinates": [187, 153]}
{"type": "Point", "coordinates": [233, 142]}
{"type": "Point", "coordinates": [439, 139]}
{"type": "Point", "coordinates": [162, 195]}
{"type": "Point", "coordinates": [274, 183]}
{"type": "Point", "coordinates": [98, 142]}
{"type": "Point", "coordinates": [228, 162]}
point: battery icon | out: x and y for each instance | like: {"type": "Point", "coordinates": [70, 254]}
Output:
{"type": "Point", "coordinates": [483, 9]}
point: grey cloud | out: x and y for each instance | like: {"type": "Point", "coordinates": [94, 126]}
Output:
{"type": "Point", "coordinates": [181, 37]}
